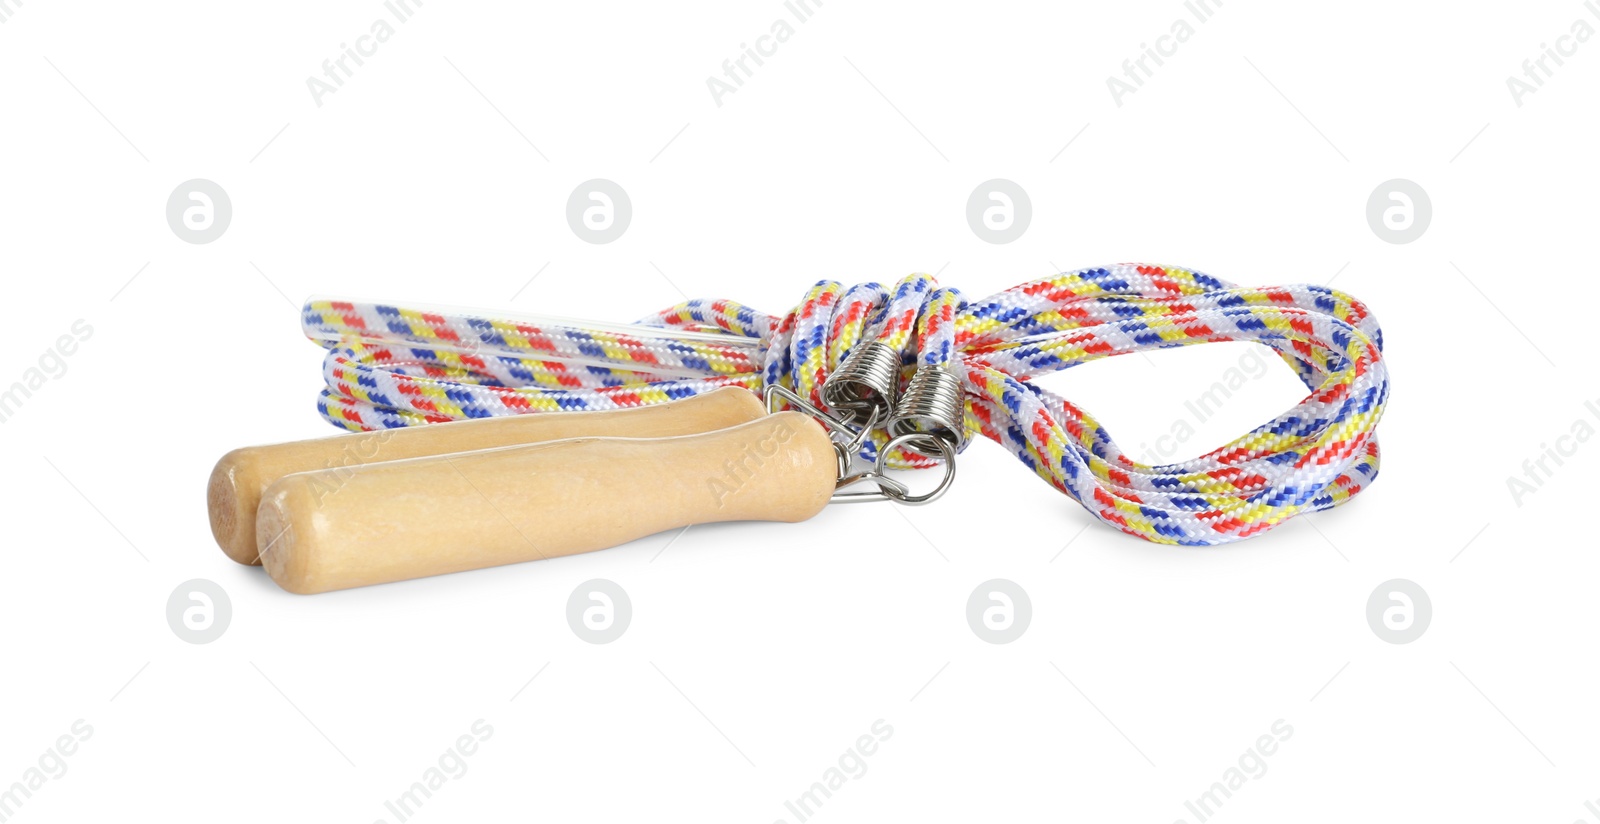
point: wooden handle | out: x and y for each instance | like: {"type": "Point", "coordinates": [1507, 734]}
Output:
{"type": "Point", "coordinates": [237, 482]}
{"type": "Point", "coordinates": [409, 519]}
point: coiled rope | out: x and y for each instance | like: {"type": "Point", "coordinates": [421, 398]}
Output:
{"type": "Point", "coordinates": [392, 367]}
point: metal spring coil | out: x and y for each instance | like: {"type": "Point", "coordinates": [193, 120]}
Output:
{"type": "Point", "coordinates": [934, 403]}
{"type": "Point", "coordinates": [864, 383]}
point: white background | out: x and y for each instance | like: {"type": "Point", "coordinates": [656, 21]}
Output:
{"type": "Point", "coordinates": [759, 653]}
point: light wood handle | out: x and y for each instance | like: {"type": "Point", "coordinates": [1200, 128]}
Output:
{"type": "Point", "coordinates": [234, 492]}
{"type": "Point", "coordinates": [409, 519]}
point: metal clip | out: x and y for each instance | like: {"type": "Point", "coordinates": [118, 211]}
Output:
{"type": "Point", "coordinates": [888, 489]}
{"type": "Point", "coordinates": [834, 425]}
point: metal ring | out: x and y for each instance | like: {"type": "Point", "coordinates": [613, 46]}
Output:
{"type": "Point", "coordinates": [945, 449]}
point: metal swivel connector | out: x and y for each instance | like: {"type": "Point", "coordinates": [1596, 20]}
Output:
{"type": "Point", "coordinates": [863, 388]}
{"type": "Point", "coordinates": [933, 405]}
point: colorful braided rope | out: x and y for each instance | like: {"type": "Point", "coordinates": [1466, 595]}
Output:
{"type": "Point", "coordinates": [390, 367]}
